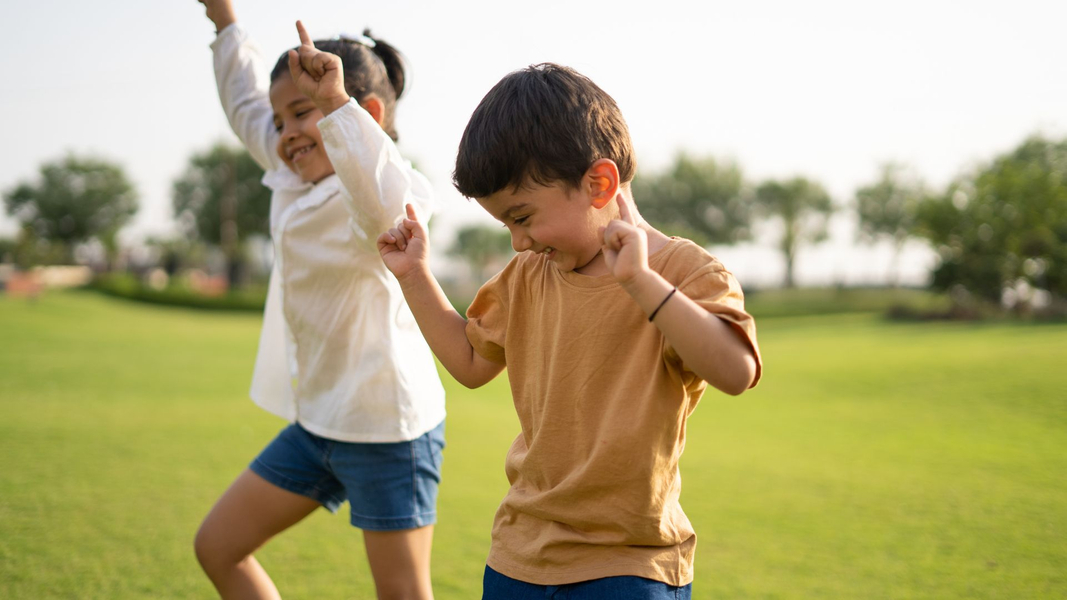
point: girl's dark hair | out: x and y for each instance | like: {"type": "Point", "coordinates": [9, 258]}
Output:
{"type": "Point", "coordinates": [376, 69]}
{"type": "Point", "coordinates": [543, 124]}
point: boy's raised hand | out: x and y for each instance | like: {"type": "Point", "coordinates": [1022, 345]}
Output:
{"type": "Point", "coordinates": [318, 75]}
{"type": "Point", "coordinates": [625, 244]}
{"type": "Point", "coordinates": [220, 12]}
{"type": "Point", "coordinates": [405, 247]}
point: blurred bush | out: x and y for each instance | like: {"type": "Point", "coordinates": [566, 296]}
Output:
{"type": "Point", "coordinates": [180, 293]}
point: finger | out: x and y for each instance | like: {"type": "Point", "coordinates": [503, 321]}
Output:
{"type": "Point", "coordinates": [410, 209]}
{"type": "Point", "coordinates": [294, 65]}
{"type": "Point", "coordinates": [321, 60]}
{"type": "Point", "coordinates": [625, 214]}
{"type": "Point", "coordinates": [416, 228]}
{"type": "Point", "coordinates": [385, 240]}
{"type": "Point", "coordinates": [615, 239]}
{"type": "Point", "coordinates": [399, 239]}
{"type": "Point", "coordinates": [610, 237]}
{"type": "Point", "coordinates": [307, 59]}
{"type": "Point", "coordinates": [305, 39]}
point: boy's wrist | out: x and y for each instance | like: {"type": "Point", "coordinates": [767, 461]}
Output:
{"type": "Point", "coordinates": [648, 288]}
{"type": "Point", "coordinates": [415, 277]}
{"type": "Point", "coordinates": [645, 279]}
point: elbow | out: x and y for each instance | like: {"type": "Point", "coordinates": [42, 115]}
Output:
{"type": "Point", "coordinates": [746, 376]}
{"type": "Point", "coordinates": [470, 384]}
{"type": "Point", "coordinates": [734, 390]}
{"type": "Point", "coordinates": [739, 379]}
{"type": "Point", "coordinates": [477, 376]}
{"type": "Point", "coordinates": [470, 380]}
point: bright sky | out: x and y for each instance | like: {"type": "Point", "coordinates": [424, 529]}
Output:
{"type": "Point", "coordinates": [826, 89]}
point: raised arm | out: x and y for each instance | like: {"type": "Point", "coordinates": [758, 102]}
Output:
{"type": "Point", "coordinates": [377, 181]}
{"type": "Point", "coordinates": [220, 12]}
{"type": "Point", "coordinates": [708, 345]}
{"type": "Point", "coordinates": [405, 251]}
{"type": "Point", "coordinates": [243, 85]}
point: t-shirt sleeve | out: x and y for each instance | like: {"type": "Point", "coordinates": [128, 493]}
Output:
{"type": "Point", "coordinates": [716, 290]}
{"type": "Point", "coordinates": [487, 318]}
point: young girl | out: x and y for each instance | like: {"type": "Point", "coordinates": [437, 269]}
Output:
{"type": "Point", "coordinates": [340, 355]}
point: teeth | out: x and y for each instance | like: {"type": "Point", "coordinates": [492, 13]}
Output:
{"type": "Point", "coordinates": [548, 250]}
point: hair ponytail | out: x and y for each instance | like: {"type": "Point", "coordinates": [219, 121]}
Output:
{"type": "Point", "coordinates": [393, 61]}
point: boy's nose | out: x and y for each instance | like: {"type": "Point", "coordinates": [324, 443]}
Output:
{"type": "Point", "coordinates": [520, 242]}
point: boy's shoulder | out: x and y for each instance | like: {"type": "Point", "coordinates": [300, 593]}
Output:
{"type": "Point", "coordinates": [681, 255]}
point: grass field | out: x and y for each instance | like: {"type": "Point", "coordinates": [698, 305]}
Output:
{"type": "Point", "coordinates": [875, 460]}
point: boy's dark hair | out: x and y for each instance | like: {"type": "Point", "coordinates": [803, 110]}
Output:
{"type": "Point", "coordinates": [370, 68]}
{"type": "Point", "coordinates": [542, 124]}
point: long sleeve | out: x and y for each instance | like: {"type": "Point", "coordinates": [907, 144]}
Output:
{"type": "Point", "coordinates": [243, 87]}
{"type": "Point", "coordinates": [377, 182]}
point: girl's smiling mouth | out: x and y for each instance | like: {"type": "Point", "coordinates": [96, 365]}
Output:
{"type": "Point", "coordinates": [299, 153]}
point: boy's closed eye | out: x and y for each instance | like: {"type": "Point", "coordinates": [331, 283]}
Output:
{"type": "Point", "coordinates": [515, 221]}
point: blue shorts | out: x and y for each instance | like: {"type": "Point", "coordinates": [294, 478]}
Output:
{"type": "Point", "coordinates": [389, 486]}
{"type": "Point", "coordinates": [501, 587]}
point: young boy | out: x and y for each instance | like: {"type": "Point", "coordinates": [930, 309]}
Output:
{"type": "Point", "coordinates": [609, 330]}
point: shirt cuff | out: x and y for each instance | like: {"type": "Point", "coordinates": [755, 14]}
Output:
{"type": "Point", "coordinates": [231, 31]}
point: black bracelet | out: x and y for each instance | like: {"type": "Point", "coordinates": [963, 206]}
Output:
{"type": "Point", "coordinates": [653, 315]}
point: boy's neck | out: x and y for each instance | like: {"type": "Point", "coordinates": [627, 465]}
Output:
{"type": "Point", "coordinates": [595, 267]}
{"type": "Point", "coordinates": [598, 266]}
{"type": "Point", "coordinates": [656, 239]}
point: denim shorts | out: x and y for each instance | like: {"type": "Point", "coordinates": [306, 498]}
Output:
{"type": "Point", "coordinates": [389, 486]}
{"type": "Point", "coordinates": [501, 587]}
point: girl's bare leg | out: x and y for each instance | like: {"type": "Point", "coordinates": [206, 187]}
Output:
{"type": "Point", "coordinates": [248, 514]}
{"type": "Point", "coordinates": [400, 562]}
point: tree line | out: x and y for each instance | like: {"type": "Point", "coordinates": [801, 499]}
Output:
{"type": "Point", "coordinates": [999, 230]}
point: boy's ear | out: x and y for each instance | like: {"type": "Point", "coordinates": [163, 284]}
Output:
{"type": "Point", "coordinates": [373, 105]}
{"type": "Point", "coordinates": [602, 182]}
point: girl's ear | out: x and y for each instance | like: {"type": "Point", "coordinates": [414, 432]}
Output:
{"type": "Point", "coordinates": [602, 182]}
{"type": "Point", "coordinates": [373, 105]}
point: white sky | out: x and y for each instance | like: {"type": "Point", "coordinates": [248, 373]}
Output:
{"type": "Point", "coordinates": [820, 88]}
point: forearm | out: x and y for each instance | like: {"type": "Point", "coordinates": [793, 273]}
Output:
{"type": "Point", "coordinates": [708, 345]}
{"type": "Point", "coordinates": [242, 90]}
{"type": "Point", "coordinates": [376, 179]}
{"type": "Point", "coordinates": [445, 329]}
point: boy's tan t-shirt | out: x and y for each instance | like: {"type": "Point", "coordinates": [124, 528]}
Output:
{"type": "Point", "coordinates": [602, 400]}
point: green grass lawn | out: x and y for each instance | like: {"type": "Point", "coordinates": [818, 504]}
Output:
{"type": "Point", "coordinates": [875, 460]}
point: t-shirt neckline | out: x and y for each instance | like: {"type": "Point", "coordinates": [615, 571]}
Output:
{"type": "Point", "coordinates": [655, 261]}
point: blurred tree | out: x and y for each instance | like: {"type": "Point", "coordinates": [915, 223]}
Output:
{"type": "Point", "coordinates": [220, 200]}
{"type": "Point", "coordinates": [77, 199]}
{"type": "Point", "coordinates": [8, 247]}
{"type": "Point", "coordinates": [804, 208]}
{"type": "Point", "coordinates": [888, 208]}
{"type": "Point", "coordinates": [702, 199]}
{"type": "Point", "coordinates": [1003, 227]}
{"type": "Point", "coordinates": [483, 248]}
{"type": "Point", "coordinates": [28, 250]}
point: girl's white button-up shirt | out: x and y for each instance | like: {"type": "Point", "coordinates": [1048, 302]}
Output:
{"type": "Point", "coordinates": [340, 352]}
